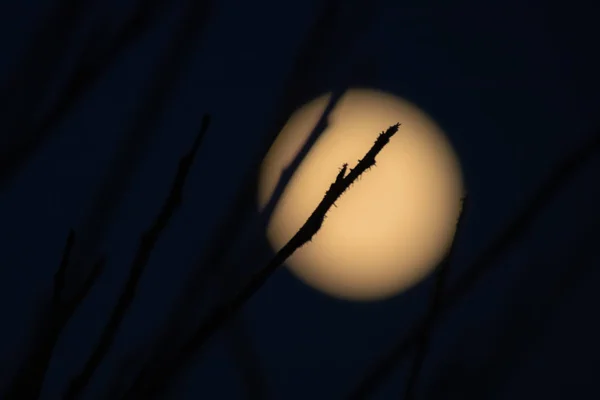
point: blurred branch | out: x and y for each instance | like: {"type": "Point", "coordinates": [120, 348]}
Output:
{"type": "Point", "coordinates": [525, 322]}
{"type": "Point", "coordinates": [29, 380]}
{"type": "Point", "coordinates": [289, 170]}
{"type": "Point", "coordinates": [26, 88]}
{"type": "Point", "coordinates": [147, 243]}
{"type": "Point", "coordinates": [135, 140]}
{"type": "Point", "coordinates": [27, 133]}
{"type": "Point", "coordinates": [242, 348]}
{"type": "Point", "coordinates": [514, 231]}
{"type": "Point", "coordinates": [153, 388]}
{"type": "Point", "coordinates": [299, 87]}
{"type": "Point", "coordinates": [240, 340]}
{"type": "Point", "coordinates": [436, 302]}
{"type": "Point", "coordinates": [328, 38]}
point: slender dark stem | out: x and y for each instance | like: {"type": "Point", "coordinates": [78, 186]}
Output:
{"type": "Point", "coordinates": [28, 382]}
{"type": "Point", "coordinates": [561, 175]}
{"type": "Point", "coordinates": [436, 302]}
{"type": "Point", "coordinates": [153, 388]}
{"type": "Point", "coordinates": [147, 242]}
{"type": "Point", "coordinates": [145, 115]}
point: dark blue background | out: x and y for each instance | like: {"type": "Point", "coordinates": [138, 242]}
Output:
{"type": "Point", "coordinates": [514, 84]}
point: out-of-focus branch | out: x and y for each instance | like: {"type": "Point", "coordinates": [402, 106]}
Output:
{"type": "Point", "coordinates": [333, 34]}
{"type": "Point", "coordinates": [436, 302]}
{"type": "Point", "coordinates": [156, 96]}
{"type": "Point", "coordinates": [247, 359]}
{"type": "Point", "coordinates": [28, 382]}
{"type": "Point", "coordinates": [147, 243]}
{"type": "Point", "coordinates": [561, 175]}
{"type": "Point", "coordinates": [27, 134]}
{"type": "Point", "coordinates": [154, 388]}
{"type": "Point", "coordinates": [525, 324]}
{"type": "Point", "coordinates": [300, 85]}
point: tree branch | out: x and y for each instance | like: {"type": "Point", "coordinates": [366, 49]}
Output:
{"type": "Point", "coordinates": [59, 276]}
{"type": "Point", "coordinates": [153, 388]}
{"type": "Point", "coordinates": [561, 175]}
{"type": "Point", "coordinates": [436, 302]}
{"type": "Point", "coordinates": [147, 242]}
{"type": "Point", "coordinates": [28, 382]}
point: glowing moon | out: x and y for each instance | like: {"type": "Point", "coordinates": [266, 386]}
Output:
{"type": "Point", "coordinates": [394, 225]}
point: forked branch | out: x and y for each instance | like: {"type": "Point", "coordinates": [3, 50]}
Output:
{"type": "Point", "coordinates": [148, 387]}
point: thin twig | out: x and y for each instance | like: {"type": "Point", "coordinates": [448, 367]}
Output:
{"type": "Point", "coordinates": [28, 382]}
{"type": "Point", "coordinates": [29, 134]}
{"type": "Point", "coordinates": [159, 382]}
{"type": "Point", "coordinates": [89, 282]}
{"type": "Point", "coordinates": [147, 242]}
{"type": "Point", "coordinates": [436, 302]}
{"type": "Point", "coordinates": [300, 87]}
{"type": "Point", "coordinates": [110, 191]}
{"type": "Point", "coordinates": [561, 175]}
{"type": "Point", "coordinates": [525, 324]}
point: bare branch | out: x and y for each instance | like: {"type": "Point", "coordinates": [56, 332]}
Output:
{"type": "Point", "coordinates": [153, 388]}
{"type": "Point", "coordinates": [28, 382]}
{"type": "Point", "coordinates": [436, 302]}
{"type": "Point", "coordinates": [561, 174]}
{"type": "Point", "coordinates": [147, 242]}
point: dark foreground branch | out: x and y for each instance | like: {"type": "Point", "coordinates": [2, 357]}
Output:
{"type": "Point", "coordinates": [436, 302]}
{"type": "Point", "coordinates": [146, 388]}
{"type": "Point", "coordinates": [559, 177]}
{"type": "Point", "coordinates": [147, 242]}
{"type": "Point", "coordinates": [28, 382]}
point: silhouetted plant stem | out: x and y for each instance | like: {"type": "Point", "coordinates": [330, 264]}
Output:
{"type": "Point", "coordinates": [29, 380]}
{"type": "Point", "coordinates": [299, 87]}
{"type": "Point", "coordinates": [436, 301]}
{"type": "Point", "coordinates": [227, 309]}
{"type": "Point", "coordinates": [332, 35]}
{"type": "Point", "coordinates": [513, 231]}
{"type": "Point", "coordinates": [523, 324]}
{"type": "Point", "coordinates": [147, 242]}
{"type": "Point", "coordinates": [250, 371]}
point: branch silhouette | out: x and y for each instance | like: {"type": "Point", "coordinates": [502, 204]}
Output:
{"type": "Point", "coordinates": [333, 36]}
{"type": "Point", "coordinates": [214, 263]}
{"type": "Point", "coordinates": [31, 134]}
{"type": "Point", "coordinates": [524, 325]}
{"type": "Point", "coordinates": [144, 118]}
{"type": "Point", "coordinates": [300, 86]}
{"type": "Point", "coordinates": [24, 92]}
{"type": "Point", "coordinates": [146, 388]}
{"type": "Point", "coordinates": [28, 382]}
{"type": "Point", "coordinates": [147, 242]}
{"type": "Point", "coordinates": [436, 302]}
{"type": "Point", "coordinates": [513, 231]}
{"type": "Point", "coordinates": [170, 339]}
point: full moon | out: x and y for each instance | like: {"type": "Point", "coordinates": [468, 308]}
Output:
{"type": "Point", "coordinates": [389, 229]}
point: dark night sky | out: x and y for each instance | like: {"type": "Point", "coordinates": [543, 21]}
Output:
{"type": "Point", "coordinates": [513, 84]}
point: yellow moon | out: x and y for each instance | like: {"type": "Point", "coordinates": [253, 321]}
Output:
{"type": "Point", "coordinates": [394, 225]}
